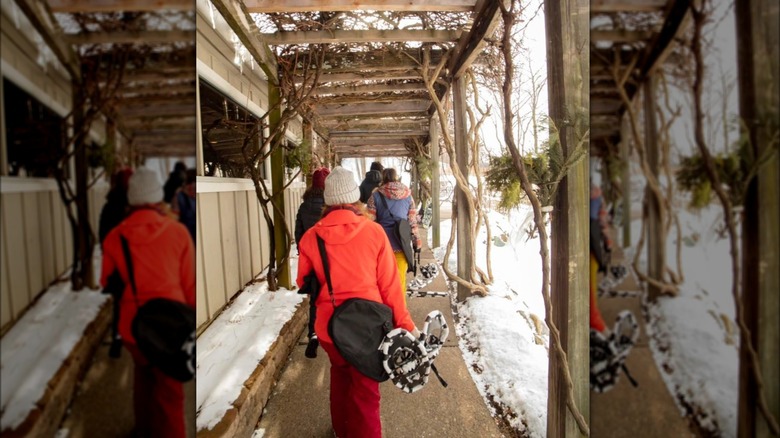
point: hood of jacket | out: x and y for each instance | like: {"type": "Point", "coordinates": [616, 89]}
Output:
{"type": "Point", "coordinates": [339, 227]}
{"type": "Point", "coordinates": [144, 226]}
{"type": "Point", "coordinates": [395, 190]}
{"type": "Point", "coordinates": [373, 176]}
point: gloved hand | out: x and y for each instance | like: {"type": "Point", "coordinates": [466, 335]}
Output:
{"type": "Point", "coordinates": [416, 333]}
{"type": "Point", "coordinates": [417, 249]}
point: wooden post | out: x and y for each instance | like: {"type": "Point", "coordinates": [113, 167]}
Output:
{"type": "Point", "coordinates": [758, 38]}
{"type": "Point", "coordinates": [435, 183]}
{"type": "Point", "coordinates": [82, 239]}
{"type": "Point", "coordinates": [199, 164]}
{"type": "Point", "coordinates": [625, 152]}
{"type": "Point", "coordinates": [308, 137]}
{"type": "Point", "coordinates": [277, 182]}
{"type": "Point", "coordinates": [656, 245]}
{"type": "Point", "coordinates": [3, 145]}
{"type": "Point", "coordinates": [567, 29]}
{"type": "Point", "coordinates": [465, 257]}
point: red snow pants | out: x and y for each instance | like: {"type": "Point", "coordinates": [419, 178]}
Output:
{"type": "Point", "coordinates": [354, 399]}
{"type": "Point", "coordinates": [158, 400]}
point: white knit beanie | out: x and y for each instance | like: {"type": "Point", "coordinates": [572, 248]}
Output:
{"type": "Point", "coordinates": [340, 187]}
{"type": "Point", "coordinates": [144, 187]}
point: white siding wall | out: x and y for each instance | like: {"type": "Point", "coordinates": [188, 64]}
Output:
{"type": "Point", "coordinates": [37, 242]}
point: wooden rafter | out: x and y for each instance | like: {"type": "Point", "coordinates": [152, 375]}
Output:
{"type": "Point", "coordinates": [288, 6]}
{"type": "Point", "coordinates": [368, 89]}
{"type": "Point", "coordinates": [471, 43]}
{"type": "Point", "coordinates": [627, 5]}
{"type": "Point", "coordinates": [366, 141]}
{"type": "Point", "coordinates": [359, 36]}
{"type": "Point", "coordinates": [620, 35]}
{"type": "Point", "coordinates": [73, 6]}
{"type": "Point", "coordinates": [367, 76]}
{"type": "Point", "coordinates": [411, 106]}
{"type": "Point", "coordinates": [131, 37]}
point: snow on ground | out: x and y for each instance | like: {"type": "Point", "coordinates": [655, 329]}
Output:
{"type": "Point", "coordinates": [35, 347]}
{"type": "Point", "coordinates": [694, 337]}
{"type": "Point", "coordinates": [235, 342]}
{"type": "Point", "coordinates": [505, 351]}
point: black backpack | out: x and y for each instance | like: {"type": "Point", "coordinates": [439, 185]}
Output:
{"type": "Point", "coordinates": [164, 330]}
{"type": "Point", "coordinates": [358, 328]}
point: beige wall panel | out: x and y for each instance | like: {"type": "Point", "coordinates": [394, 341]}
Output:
{"type": "Point", "coordinates": [254, 233]}
{"type": "Point", "coordinates": [58, 218]}
{"type": "Point", "coordinates": [242, 228]}
{"type": "Point", "coordinates": [201, 303]}
{"type": "Point", "coordinates": [32, 244]}
{"type": "Point", "coordinates": [14, 239]}
{"type": "Point", "coordinates": [5, 285]}
{"type": "Point", "coordinates": [45, 228]}
{"type": "Point", "coordinates": [227, 223]}
{"type": "Point", "coordinates": [212, 251]}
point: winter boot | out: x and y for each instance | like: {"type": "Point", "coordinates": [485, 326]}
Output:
{"type": "Point", "coordinates": [311, 348]}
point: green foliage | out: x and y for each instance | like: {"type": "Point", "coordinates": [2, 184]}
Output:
{"type": "Point", "coordinates": [100, 155]}
{"type": "Point", "coordinates": [502, 177]}
{"type": "Point", "coordinates": [296, 157]}
{"type": "Point", "coordinates": [735, 170]}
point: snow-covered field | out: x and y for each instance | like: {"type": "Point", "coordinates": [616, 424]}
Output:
{"type": "Point", "coordinates": [503, 336]}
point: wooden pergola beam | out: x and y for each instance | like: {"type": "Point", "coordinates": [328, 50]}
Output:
{"type": "Point", "coordinates": [471, 44]}
{"type": "Point", "coordinates": [627, 5]}
{"type": "Point", "coordinates": [377, 134]}
{"type": "Point", "coordinates": [367, 89]}
{"type": "Point", "coordinates": [235, 14]}
{"type": "Point", "coordinates": [620, 35]}
{"type": "Point", "coordinates": [367, 76]}
{"type": "Point", "coordinates": [369, 141]}
{"type": "Point", "coordinates": [271, 6]}
{"type": "Point", "coordinates": [43, 22]}
{"type": "Point", "coordinates": [343, 110]}
{"type": "Point", "coordinates": [359, 36]}
{"type": "Point", "coordinates": [131, 37]}
{"type": "Point", "coordinates": [91, 6]}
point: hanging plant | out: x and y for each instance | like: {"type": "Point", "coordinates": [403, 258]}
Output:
{"type": "Point", "coordinates": [298, 157]}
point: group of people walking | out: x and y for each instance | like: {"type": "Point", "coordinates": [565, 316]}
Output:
{"type": "Point", "coordinates": [365, 260]}
{"type": "Point", "coordinates": [157, 225]}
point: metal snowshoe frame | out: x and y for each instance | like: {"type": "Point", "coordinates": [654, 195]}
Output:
{"type": "Point", "coordinates": [608, 355]}
{"type": "Point", "coordinates": [408, 360]}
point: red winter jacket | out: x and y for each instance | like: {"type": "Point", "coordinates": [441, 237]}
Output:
{"type": "Point", "coordinates": [163, 263]}
{"type": "Point", "coordinates": [362, 265]}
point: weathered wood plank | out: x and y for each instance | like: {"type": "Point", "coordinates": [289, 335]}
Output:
{"type": "Point", "coordinates": [359, 36]}
{"type": "Point", "coordinates": [36, 12]}
{"type": "Point", "coordinates": [270, 6]}
{"type": "Point", "coordinates": [411, 106]}
{"type": "Point", "coordinates": [367, 89]}
{"type": "Point", "coordinates": [89, 6]}
{"type": "Point", "coordinates": [131, 37]}
{"type": "Point", "coordinates": [627, 5]}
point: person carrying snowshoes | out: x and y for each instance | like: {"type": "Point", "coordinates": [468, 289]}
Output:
{"type": "Point", "coordinates": [389, 202]}
{"type": "Point", "coordinates": [309, 213]}
{"type": "Point", "coordinates": [361, 265]}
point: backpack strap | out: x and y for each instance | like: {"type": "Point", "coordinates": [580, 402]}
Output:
{"type": "Point", "coordinates": [129, 261]}
{"type": "Point", "coordinates": [384, 201]}
{"type": "Point", "coordinates": [326, 268]}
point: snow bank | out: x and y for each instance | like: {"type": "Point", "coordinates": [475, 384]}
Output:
{"type": "Point", "coordinates": [230, 349]}
{"type": "Point", "coordinates": [36, 346]}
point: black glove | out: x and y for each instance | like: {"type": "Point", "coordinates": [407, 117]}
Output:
{"type": "Point", "coordinates": [417, 249]}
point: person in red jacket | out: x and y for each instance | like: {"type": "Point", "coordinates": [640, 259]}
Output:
{"type": "Point", "coordinates": [362, 265]}
{"type": "Point", "coordinates": [163, 258]}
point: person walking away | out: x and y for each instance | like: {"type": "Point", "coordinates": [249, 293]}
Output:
{"type": "Point", "coordinates": [361, 266]}
{"type": "Point", "coordinates": [183, 205]}
{"type": "Point", "coordinates": [400, 204]}
{"type": "Point", "coordinates": [163, 259]}
{"type": "Point", "coordinates": [175, 181]}
{"type": "Point", "coordinates": [600, 243]}
{"type": "Point", "coordinates": [309, 213]}
{"type": "Point", "coordinates": [372, 180]}
{"type": "Point", "coordinates": [115, 209]}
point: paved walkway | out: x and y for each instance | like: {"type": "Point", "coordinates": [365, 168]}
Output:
{"type": "Point", "coordinates": [647, 410]}
{"type": "Point", "coordinates": [299, 404]}
{"type": "Point", "coordinates": [103, 404]}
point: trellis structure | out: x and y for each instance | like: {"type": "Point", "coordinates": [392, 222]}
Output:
{"type": "Point", "coordinates": [371, 101]}
{"type": "Point", "coordinates": [630, 40]}
{"type": "Point", "coordinates": [154, 109]}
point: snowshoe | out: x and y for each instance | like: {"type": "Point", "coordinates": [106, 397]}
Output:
{"type": "Point", "coordinates": [407, 360]}
{"type": "Point", "coordinates": [608, 353]}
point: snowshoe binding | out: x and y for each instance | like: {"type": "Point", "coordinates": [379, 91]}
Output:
{"type": "Point", "coordinates": [407, 360]}
{"type": "Point", "coordinates": [608, 353]}
{"type": "Point", "coordinates": [427, 274]}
